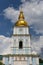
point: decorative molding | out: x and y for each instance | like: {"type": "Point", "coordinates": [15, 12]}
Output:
{"type": "Point", "coordinates": [20, 60]}
{"type": "Point", "coordinates": [25, 55]}
{"type": "Point", "coordinates": [21, 35]}
{"type": "Point", "coordinates": [18, 47]}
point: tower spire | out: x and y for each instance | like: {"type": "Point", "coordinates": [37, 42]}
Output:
{"type": "Point", "coordinates": [21, 21]}
{"type": "Point", "coordinates": [21, 15]}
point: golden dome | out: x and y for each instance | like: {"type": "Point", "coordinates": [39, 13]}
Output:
{"type": "Point", "coordinates": [21, 21]}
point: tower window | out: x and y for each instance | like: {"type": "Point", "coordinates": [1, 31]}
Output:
{"type": "Point", "coordinates": [20, 44]}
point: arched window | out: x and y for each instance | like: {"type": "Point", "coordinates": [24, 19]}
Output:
{"type": "Point", "coordinates": [20, 44]}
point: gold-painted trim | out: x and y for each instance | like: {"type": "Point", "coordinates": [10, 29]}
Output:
{"type": "Point", "coordinates": [20, 26]}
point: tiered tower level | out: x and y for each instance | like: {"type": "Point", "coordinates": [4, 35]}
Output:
{"type": "Point", "coordinates": [21, 53]}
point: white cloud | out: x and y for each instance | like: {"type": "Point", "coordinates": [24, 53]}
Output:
{"type": "Point", "coordinates": [5, 44]}
{"type": "Point", "coordinates": [38, 46]}
{"type": "Point", "coordinates": [11, 13]}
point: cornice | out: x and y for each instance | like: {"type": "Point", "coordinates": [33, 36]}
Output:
{"type": "Point", "coordinates": [21, 35]}
{"type": "Point", "coordinates": [24, 55]}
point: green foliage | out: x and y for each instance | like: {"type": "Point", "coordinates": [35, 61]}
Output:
{"type": "Point", "coordinates": [41, 61]}
{"type": "Point", "coordinates": [1, 63]}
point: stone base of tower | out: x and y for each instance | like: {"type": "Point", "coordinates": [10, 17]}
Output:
{"type": "Point", "coordinates": [16, 60]}
{"type": "Point", "coordinates": [20, 60]}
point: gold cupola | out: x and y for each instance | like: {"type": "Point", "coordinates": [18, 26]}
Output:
{"type": "Point", "coordinates": [21, 21]}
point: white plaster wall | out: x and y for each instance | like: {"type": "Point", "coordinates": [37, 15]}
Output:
{"type": "Point", "coordinates": [21, 51]}
{"type": "Point", "coordinates": [30, 60]}
{"type": "Point", "coordinates": [26, 45]}
{"type": "Point", "coordinates": [37, 60]}
{"type": "Point", "coordinates": [6, 61]}
{"type": "Point", "coordinates": [20, 60]}
{"type": "Point", "coordinates": [34, 61]}
{"type": "Point", "coordinates": [3, 60]}
{"type": "Point", "coordinates": [10, 58]}
{"type": "Point", "coordinates": [16, 60]}
{"type": "Point", "coordinates": [20, 30]}
{"type": "Point", "coordinates": [24, 39]}
{"type": "Point", "coordinates": [20, 63]}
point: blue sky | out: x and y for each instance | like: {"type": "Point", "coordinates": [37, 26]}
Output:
{"type": "Point", "coordinates": [33, 11]}
{"type": "Point", "coordinates": [5, 24]}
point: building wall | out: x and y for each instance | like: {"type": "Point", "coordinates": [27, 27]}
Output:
{"type": "Point", "coordinates": [17, 60]}
{"type": "Point", "coordinates": [35, 60]}
{"type": "Point", "coordinates": [26, 45]}
{"type": "Point", "coordinates": [20, 30]}
{"type": "Point", "coordinates": [20, 34]}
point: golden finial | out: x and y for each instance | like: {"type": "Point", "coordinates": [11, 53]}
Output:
{"type": "Point", "coordinates": [21, 15]}
{"type": "Point", "coordinates": [21, 21]}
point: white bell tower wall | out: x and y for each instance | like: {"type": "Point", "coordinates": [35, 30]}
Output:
{"type": "Point", "coordinates": [21, 30]}
{"type": "Point", "coordinates": [21, 44]}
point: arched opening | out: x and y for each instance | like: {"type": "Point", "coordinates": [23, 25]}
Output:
{"type": "Point", "coordinates": [20, 44]}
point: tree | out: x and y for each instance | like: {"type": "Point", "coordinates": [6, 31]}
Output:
{"type": "Point", "coordinates": [1, 63]}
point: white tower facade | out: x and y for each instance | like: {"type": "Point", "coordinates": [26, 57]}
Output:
{"type": "Point", "coordinates": [21, 40]}
{"type": "Point", "coordinates": [21, 53]}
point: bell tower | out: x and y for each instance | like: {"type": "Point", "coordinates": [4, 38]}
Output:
{"type": "Point", "coordinates": [21, 53]}
{"type": "Point", "coordinates": [21, 36]}
{"type": "Point", "coordinates": [21, 46]}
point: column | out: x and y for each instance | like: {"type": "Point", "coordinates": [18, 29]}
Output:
{"type": "Point", "coordinates": [30, 61]}
{"type": "Point", "coordinates": [27, 60]}
{"type": "Point", "coordinates": [37, 61]}
{"type": "Point", "coordinates": [12, 61]}
{"type": "Point", "coordinates": [33, 61]}
{"type": "Point", "coordinates": [3, 60]}
{"type": "Point", "coordinates": [6, 61]}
